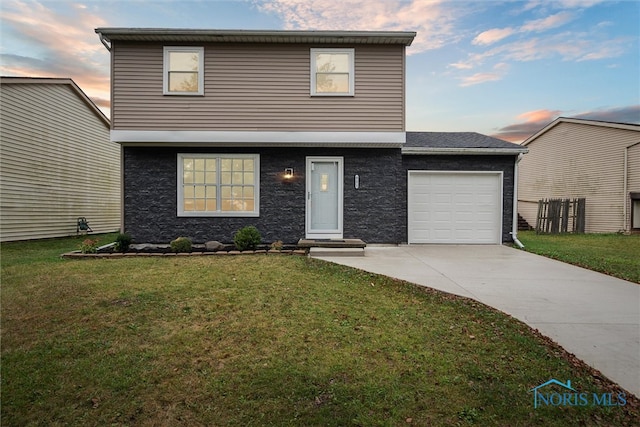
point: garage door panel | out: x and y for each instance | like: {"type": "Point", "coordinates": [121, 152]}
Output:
{"type": "Point", "coordinates": [443, 234]}
{"type": "Point", "coordinates": [422, 217]}
{"type": "Point", "coordinates": [454, 207]}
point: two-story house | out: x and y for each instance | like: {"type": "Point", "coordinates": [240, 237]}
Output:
{"type": "Point", "coordinates": [57, 163]}
{"type": "Point", "coordinates": [299, 133]}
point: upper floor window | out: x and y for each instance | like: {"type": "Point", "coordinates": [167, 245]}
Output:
{"type": "Point", "coordinates": [332, 72]}
{"type": "Point", "coordinates": [183, 70]}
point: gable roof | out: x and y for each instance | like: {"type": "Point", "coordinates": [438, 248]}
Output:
{"type": "Point", "coordinates": [108, 35]}
{"type": "Point", "coordinates": [458, 143]}
{"type": "Point", "coordinates": [559, 120]}
{"type": "Point", "coordinates": [4, 80]}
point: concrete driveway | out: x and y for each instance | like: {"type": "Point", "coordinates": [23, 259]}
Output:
{"type": "Point", "coordinates": [594, 316]}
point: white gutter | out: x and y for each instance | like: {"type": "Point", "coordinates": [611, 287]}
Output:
{"type": "Point", "coordinates": [103, 40]}
{"type": "Point", "coordinates": [462, 150]}
{"type": "Point", "coordinates": [514, 225]}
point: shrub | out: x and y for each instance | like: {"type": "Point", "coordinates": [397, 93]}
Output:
{"type": "Point", "coordinates": [181, 244]}
{"type": "Point", "coordinates": [123, 240]}
{"type": "Point", "coordinates": [247, 238]}
{"type": "Point", "coordinates": [89, 246]}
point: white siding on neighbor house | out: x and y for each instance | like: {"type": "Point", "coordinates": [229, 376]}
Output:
{"type": "Point", "coordinates": [251, 87]}
{"type": "Point", "coordinates": [580, 160]}
{"type": "Point", "coordinates": [57, 163]}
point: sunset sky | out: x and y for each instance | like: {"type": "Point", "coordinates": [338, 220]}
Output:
{"type": "Point", "coordinates": [501, 68]}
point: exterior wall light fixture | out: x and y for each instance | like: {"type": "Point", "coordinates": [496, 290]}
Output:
{"type": "Point", "coordinates": [288, 173]}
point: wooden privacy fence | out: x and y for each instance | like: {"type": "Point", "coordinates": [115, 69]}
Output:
{"type": "Point", "coordinates": [561, 216]}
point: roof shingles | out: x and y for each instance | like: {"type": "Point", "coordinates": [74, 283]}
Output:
{"type": "Point", "coordinates": [457, 142]}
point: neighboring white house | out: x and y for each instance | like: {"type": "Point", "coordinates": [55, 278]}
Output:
{"type": "Point", "coordinates": [599, 161]}
{"type": "Point", "coordinates": [57, 162]}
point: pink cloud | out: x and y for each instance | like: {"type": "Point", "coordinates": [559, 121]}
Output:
{"type": "Point", "coordinates": [538, 116]}
{"type": "Point", "coordinates": [65, 43]}
{"type": "Point", "coordinates": [480, 78]}
{"type": "Point", "coordinates": [547, 23]}
{"type": "Point", "coordinates": [531, 122]}
{"type": "Point", "coordinates": [432, 19]}
{"type": "Point", "coordinates": [528, 123]}
{"type": "Point", "coordinates": [492, 36]}
{"type": "Point", "coordinates": [499, 71]}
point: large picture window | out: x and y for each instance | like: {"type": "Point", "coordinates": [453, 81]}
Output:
{"type": "Point", "coordinates": [183, 70]}
{"type": "Point", "coordinates": [332, 72]}
{"type": "Point", "coordinates": [218, 184]}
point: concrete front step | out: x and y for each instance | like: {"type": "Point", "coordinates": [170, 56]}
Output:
{"type": "Point", "coordinates": [331, 243]}
{"type": "Point", "coordinates": [333, 252]}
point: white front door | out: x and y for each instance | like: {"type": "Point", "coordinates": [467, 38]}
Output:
{"type": "Point", "coordinates": [324, 197]}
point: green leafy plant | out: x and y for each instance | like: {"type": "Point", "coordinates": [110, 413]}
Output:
{"type": "Point", "coordinates": [247, 238]}
{"type": "Point", "coordinates": [123, 240]}
{"type": "Point", "coordinates": [89, 246]}
{"type": "Point", "coordinates": [181, 244]}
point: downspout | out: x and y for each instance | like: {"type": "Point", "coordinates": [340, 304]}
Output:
{"type": "Point", "coordinates": [514, 225]}
{"type": "Point", "coordinates": [103, 40]}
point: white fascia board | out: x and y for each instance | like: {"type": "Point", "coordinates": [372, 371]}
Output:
{"type": "Point", "coordinates": [252, 138]}
{"type": "Point", "coordinates": [462, 151]}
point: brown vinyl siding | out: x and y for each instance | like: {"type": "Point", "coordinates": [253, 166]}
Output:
{"type": "Point", "coordinates": [57, 164]}
{"type": "Point", "coordinates": [579, 160]}
{"type": "Point", "coordinates": [250, 87]}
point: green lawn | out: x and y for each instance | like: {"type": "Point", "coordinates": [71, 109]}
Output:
{"type": "Point", "coordinates": [265, 340]}
{"type": "Point", "coordinates": [614, 254]}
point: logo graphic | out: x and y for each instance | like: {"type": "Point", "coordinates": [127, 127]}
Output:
{"type": "Point", "coordinates": [571, 397]}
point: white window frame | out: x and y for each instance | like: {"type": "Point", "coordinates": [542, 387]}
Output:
{"type": "Point", "coordinates": [165, 69]}
{"type": "Point", "coordinates": [352, 71]}
{"type": "Point", "coordinates": [219, 212]}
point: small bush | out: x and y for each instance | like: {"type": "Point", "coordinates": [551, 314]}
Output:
{"type": "Point", "coordinates": [89, 246]}
{"type": "Point", "coordinates": [123, 240]}
{"type": "Point", "coordinates": [247, 238]}
{"type": "Point", "coordinates": [181, 244]}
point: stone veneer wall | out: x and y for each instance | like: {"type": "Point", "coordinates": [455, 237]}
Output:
{"type": "Point", "coordinates": [372, 213]}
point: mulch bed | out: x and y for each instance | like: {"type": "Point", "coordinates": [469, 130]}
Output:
{"type": "Point", "coordinates": [78, 254]}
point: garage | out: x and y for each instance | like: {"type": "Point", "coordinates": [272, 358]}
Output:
{"type": "Point", "coordinates": [460, 207]}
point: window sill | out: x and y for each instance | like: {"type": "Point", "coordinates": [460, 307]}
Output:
{"type": "Point", "coordinates": [219, 215]}
{"type": "Point", "coordinates": [324, 95]}
{"type": "Point", "coordinates": [184, 94]}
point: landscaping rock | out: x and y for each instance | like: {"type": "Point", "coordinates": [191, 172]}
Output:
{"type": "Point", "coordinates": [213, 245]}
{"type": "Point", "coordinates": [148, 247]}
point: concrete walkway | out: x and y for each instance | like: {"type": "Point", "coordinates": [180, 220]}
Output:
{"type": "Point", "coordinates": [594, 316]}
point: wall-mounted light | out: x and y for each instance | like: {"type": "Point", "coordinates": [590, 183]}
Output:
{"type": "Point", "coordinates": [288, 173]}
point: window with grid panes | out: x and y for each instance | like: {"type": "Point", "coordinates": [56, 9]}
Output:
{"type": "Point", "coordinates": [218, 184]}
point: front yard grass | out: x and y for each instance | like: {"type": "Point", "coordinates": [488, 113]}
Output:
{"type": "Point", "coordinates": [613, 254]}
{"type": "Point", "coordinates": [265, 340]}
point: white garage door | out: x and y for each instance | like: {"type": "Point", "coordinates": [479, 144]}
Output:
{"type": "Point", "coordinates": [454, 207]}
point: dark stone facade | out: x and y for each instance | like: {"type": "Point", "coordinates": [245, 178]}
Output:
{"type": "Point", "coordinates": [375, 213]}
{"type": "Point", "coordinates": [370, 212]}
{"type": "Point", "coordinates": [503, 164]}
